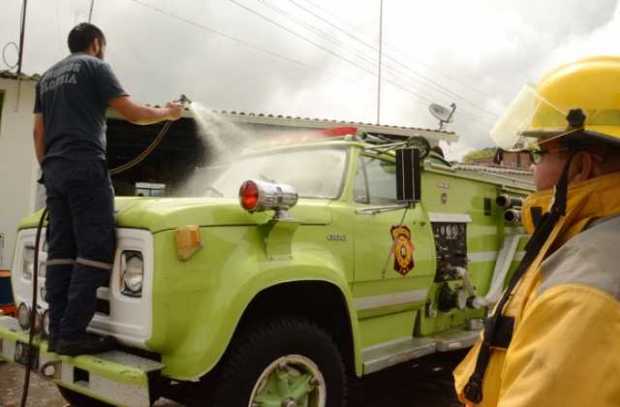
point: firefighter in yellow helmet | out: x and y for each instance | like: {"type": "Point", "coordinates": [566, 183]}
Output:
{"type": "Point", "coordinates": [554, 337]}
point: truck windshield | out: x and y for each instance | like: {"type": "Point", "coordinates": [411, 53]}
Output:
{"type": "Point", "coordinates": [314, 173]}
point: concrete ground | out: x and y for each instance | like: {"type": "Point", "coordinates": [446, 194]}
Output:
{"type": "Point", "coordinates": [424, 383]}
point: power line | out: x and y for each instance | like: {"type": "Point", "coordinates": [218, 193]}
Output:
{"type": "Point", "coordinates": [327, 50]}
{"type": "Point", "coordinates": [395, 71]}
{"type": "Point", "coordinates": [450, 78]}
{"type": "Point", "coordinates": [222, 34]}
{"type": "Point", "coordinates": [301, 37]}
{"type": "Point", "coordinates": [294, 33]}
{"type": "Point", "coordinates": [245, 43]}
{"type": "Point", "coordinates": [330, 39]}
{"type": "Point", "coordinates": [462, 111]}
{"type": "Point", "coordinates": [315, 30]}
{"type": "Point", "coordinates": [373, 48]}
{"type": "Point", "coordinates": [310, 27]}
{"type": "Point", "coordinates": [271, 53]}
{"type": "Point", "coordinates": [330, 13]}
{"type": "Point", "coordinates": [326, 36]}
{"type": "Point", "coordinates": [348, 34]}
{"type": "Point", "coordinates": [4, 58]}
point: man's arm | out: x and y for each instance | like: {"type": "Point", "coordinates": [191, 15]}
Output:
{"type": "Point", "coordinates": [38, 134]}
{"type": "Point", "coordinates": [140, 114]}
{"type": "Point", "coordinates": [115, 96]}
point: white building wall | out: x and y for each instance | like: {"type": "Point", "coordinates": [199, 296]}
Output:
{"type": "Point", "coordinates": [18, 166]}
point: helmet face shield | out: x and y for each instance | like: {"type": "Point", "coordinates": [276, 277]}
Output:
{"type": "Point", "coordinates": [528, 118]}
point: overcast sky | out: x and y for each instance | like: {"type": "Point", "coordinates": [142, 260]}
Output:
{"type": "Point", "coordinates": [318, 58]}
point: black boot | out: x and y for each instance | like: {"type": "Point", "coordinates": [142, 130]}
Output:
{"type": "Point", "coordinates": [85, 344]}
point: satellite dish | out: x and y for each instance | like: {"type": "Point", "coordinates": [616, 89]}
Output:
{"type": "Point", "coordinates": [442, 113]}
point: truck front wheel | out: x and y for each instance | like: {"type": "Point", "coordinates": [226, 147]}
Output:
{"type": "Point", "coordinates": [286, 362]}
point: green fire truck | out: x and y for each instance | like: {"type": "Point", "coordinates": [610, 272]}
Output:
{"type": "Point", "coordinates": [300, 268]}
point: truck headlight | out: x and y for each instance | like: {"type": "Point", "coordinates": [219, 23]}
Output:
{"type": "Point", "coordinates": [23, 316]}
{"type": "Point", "coordinates": [45, 328]}
{"type": "Point", "coordinates": [38, 322]}
{"type": "Point", "coordinates": [28, 262]}
{"type": "Point", "coordinates": [132, 273]}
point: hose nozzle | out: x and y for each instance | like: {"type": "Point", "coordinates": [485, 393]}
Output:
{"type": "Point", "coordinates": [184, 99]}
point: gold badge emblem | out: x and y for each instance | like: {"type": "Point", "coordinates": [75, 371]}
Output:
{"type": "Point", "coordinates": [402, 249]}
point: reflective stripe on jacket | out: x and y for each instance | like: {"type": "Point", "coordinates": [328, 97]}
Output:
{"type": "Point", "coordinates": [565, 349]}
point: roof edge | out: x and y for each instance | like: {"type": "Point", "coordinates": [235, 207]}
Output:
{"type": "Point", "coordinates": [6, 74]}
{"type": "Point", "coordinates": [316, 123]}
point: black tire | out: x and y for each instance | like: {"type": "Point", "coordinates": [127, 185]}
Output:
{"type": "Point", "coordinates": [257, 348]}
{"type": "Point", "coordinates": [80, 400]}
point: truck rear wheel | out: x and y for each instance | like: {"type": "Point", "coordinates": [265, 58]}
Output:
{"type": "Point", "coordinates": [286, 362]}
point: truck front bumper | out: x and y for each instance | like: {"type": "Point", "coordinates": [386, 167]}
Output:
{"type": "Point", "coordinates": [118, 378]}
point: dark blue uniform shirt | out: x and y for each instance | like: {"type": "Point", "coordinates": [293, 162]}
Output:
{"type": "Point", "coordinates": [73, 96]}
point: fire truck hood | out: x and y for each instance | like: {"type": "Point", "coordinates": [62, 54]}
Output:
{"type": "Point", "coordinates": [158, 214]}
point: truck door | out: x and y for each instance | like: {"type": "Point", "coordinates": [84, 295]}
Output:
{"type": "Point", "coordinates": [385, 233]}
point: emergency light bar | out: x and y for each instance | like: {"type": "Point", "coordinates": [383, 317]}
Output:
{"type": "Point", "coordinates": [339, 131]}
{"type": "Point", "coordinates": [259, 196]}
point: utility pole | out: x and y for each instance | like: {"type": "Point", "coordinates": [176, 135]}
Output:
{"type": "Point", "coordinates": [379, 67]}
{"type": "Point", "coordinates": [90, 12]}
{"type": "Point", "coordinates": [21, 38]}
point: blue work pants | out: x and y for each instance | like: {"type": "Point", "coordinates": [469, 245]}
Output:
{"type": "Point", "coordinates": [81, 239]}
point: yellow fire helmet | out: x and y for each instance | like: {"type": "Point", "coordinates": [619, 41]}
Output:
{"type": "Point", "coordinates": [578, 101]}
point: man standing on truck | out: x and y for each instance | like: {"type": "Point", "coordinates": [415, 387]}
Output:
{"type": "Point", "coordinates": [553, 338]}
{"type": "Point", "coordinates": [70, 145]}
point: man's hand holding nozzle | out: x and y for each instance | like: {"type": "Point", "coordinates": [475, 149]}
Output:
{"type": "Point", "coordinates": [175, 110]}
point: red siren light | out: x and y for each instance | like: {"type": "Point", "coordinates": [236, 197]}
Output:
{"type": "Point", "coordinates": [259, 196]}
{"type": "Point", "coordinates": [248, 195]}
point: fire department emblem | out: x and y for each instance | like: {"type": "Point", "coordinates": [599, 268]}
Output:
{"type": "Point", "coordinates": [402, 249]}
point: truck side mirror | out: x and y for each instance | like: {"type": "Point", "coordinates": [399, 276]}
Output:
{"type": "Point", "coordinates": [408, 180]}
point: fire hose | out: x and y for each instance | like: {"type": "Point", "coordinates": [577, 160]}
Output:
{"type": "Point", "coordinates": [35, 277]}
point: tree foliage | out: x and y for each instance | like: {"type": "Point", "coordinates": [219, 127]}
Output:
{"type": "Point", "coordinates": [475, 155]}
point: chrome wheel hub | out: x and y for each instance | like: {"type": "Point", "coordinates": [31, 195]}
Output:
{"type": "Point", "coordinates": [290, 381]}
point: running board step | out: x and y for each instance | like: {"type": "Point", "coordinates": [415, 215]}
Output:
{"type": "Point", "coordinates": [384, 355]}
{"type": "Point", "coordinates": [454, 340]}
{"type": "Point", "coordinates": [116, 377]}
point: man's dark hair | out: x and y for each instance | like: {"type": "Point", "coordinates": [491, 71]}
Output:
{"type": "Point", "coordinates": [82, 35]}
